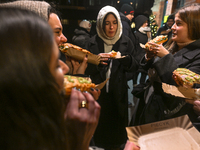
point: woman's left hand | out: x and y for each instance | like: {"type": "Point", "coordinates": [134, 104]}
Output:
{"type": "Point", "coordinates": [158, 49]}
{"type": "Point", "coordinates": [79, 67]}
{"type": "Point", "coordinates": [81, 121]}
{"type": "Point", "coordinates": [196, 105]}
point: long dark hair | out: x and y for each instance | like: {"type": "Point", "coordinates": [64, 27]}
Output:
{"type": "Point", "coordinates": [31, 110]}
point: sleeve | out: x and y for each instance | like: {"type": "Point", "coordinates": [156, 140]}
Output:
{"type": "Point", "coordinates": [167, 64]}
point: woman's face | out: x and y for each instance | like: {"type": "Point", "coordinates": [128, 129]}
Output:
{"type": "Point", "coordinates": [180, 30]}
{"type": "Point", "coordinates": [111, 25]}
{"type": "Point", "coordinates": [145, 24]}
{"type": "Point", "coordinates": [57, 28]}
{"type": "Point", "coordinates": [57, 67]}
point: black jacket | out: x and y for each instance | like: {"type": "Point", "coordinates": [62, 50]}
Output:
{"type": "Point", "coordinates": [160, 105]}
{"type": "Point", "coordinates": [126, 24]}
{"type": "Point", "coordinates": [140, 38]}
{"type": "Point", "coordinates": [81, 36]}
{"type": "Point", "coordinates": [114, 104]}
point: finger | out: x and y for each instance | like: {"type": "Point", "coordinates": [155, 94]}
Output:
{"type": "Point", "coordinates": [105, 55]}
{"type": "Point", "coordinates": [83, 112]}
{"type": "Point", "coordinates": [94, 107]}
{"type": "Point", "coordinates": [104, 63]}
{"type": "Point", "coordinates": [85, 59]}
{"type": "Point", "coordinates": [95, 93]}
{"type": "Point", "coordinates": [73, 104]}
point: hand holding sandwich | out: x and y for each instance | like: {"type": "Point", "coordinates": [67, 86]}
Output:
{"type": "Point", "coordinates": [158, 49]}
{"type": "Point", "coordinates": [81, 122]}
{"type": "Point", "coordinates": [104, 57]}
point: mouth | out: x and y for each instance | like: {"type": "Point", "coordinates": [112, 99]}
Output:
{"type": "Point", "coordinates": [173, 34]}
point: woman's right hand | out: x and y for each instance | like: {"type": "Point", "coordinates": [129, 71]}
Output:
{"type": "Point", "coordinates": [104, 58]}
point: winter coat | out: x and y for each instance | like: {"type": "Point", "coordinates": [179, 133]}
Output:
{"type": "Point", "coordinates": [141, 37]}
{"type": "Point", "coordinates": [114, 105]}
{"type": "Point", "coordinates": [81, 36]}
{"type": "Point", "coordinates": [126, 24]}
{"type": "Point", "coordinates": [113, 120]}
{"type": "Point", "coordinates": [159, 105]}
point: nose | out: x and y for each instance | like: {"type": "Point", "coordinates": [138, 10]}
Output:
{"type": "Point", "coordinates": [63, 38]}
{"type": "Point", "coordinates": [173, 27]}
{"type": "Point", "coordinates": [111, 26]}
{"type": "Point", "coordinates": [64, 67]}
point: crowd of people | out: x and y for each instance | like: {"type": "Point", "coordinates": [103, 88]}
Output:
{"type": "Point", "coordinates": [34, 110]}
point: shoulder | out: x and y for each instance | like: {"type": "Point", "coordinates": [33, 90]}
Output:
{"type": "Point", "coordinates": [125, 40]}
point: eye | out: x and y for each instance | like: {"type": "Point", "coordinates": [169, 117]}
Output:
{"type": "Point", "coordinates": [115, 22]}
{"type": "Point", "coordinates": [107, 23]}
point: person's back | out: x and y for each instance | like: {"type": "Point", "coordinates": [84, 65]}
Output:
{"type": "Point", "coordinates": [82, 34]}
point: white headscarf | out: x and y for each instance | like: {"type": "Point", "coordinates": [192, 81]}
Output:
{"type": "Point", "coordinates": [102, 13]}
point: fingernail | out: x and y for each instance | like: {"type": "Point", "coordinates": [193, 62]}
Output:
{"type": "Point", "coordinates": [79, 89]}
{"type": "Point", "coordinates": [85, 91]}
{"type": "Point", "coordinates": [97, 90]}
{"type": "Point", "coordinates": [91, 89]}
{"type": "Point", "coordinates": [86, 55]}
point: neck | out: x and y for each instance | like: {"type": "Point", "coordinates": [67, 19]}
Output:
{"type": "Point", "coordinates": [181, 45]}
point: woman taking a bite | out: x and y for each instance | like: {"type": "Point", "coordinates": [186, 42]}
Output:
{"type": "Point", "coordinates": [113, 100]}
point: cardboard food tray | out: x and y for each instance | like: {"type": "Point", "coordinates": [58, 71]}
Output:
{"type": "Point", "coordinates": [79, 55]}
{"type": "Point", "coordinates": [187, 93]}
{"type": "Point", "coordinates": [173, 134]}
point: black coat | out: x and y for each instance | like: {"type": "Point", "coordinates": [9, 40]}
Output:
{"type": "Point", "coordinates": [81, 36]}
{"type": "Point", "coordinates": [114, 105]}
{"type": "Point", "coordinates": [140, 38]}
{"type": "Point", "coordinates": [126, 26]}
{"type": "Point", "coordinates": [160, 105]}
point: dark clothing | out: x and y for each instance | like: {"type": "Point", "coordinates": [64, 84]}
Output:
{"type": "Point", "coordinates": [114, 104]}
{"type": "Point", "coordinates": [164, 28]}
{"type": "Point", "coordinates": [126, 24]}
{"type": "Point", "coordinates": [81, 37]}
{"type": "Point", "coordinates": [141, 38]}
{"type": "Point", "coordinates": [161, 106]}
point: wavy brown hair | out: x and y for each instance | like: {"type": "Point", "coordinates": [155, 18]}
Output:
{"type": "Point", "coordinates": [31, 110]}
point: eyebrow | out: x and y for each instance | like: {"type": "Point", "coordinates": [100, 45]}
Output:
{"type": "Point", "coordinates": [57, 28]}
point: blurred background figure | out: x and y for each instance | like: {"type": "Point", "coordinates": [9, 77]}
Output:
{"type": "Point", "coordinates": [143, 35]}
{"type": "Point", "coordinates": [82, 33]}
{"type": "Point", "coordinates": [166, 29]}
{"type": "Point", "coordinates": [127, 14]}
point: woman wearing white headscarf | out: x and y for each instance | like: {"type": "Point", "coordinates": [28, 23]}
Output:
{"type": "Point", "coordinates": [111, 131]}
